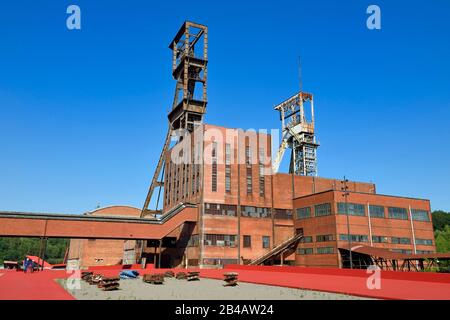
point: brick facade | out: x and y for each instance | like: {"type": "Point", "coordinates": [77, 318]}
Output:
{"type": "Point", "coordinates": [104, 252]}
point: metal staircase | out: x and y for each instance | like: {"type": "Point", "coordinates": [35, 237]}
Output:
{"type": "Point", "coordinates": [287, 244]}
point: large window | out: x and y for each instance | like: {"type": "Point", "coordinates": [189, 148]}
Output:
{"type": "Point", "coordinates": [354, 237]}
{"type": "Point", "coordinates": [220, 240]}
{"type": "Point", "coordinates": [265, 242]}
{"type": "Point", "coordinates": [248, 161]}
{"type": "Point", "coordinates": [379, 239]}
{"type": "Point", "coordinates": [193, 241]}
{"type": "Point", "coordinates": [420, 215]}
{"type": "Point", "coordinates": [261, 172]}
{"type": "Point", "coordinates": [404, 251]}
{"type": "Point", "coordinates": [354, 209]}
{"type": "Point", "coordinates": [306, 239]}
{"type": "Point", "coordinates": [214, 167]}
{"type": "Point", "coordinates": [303, 213]}
{"type": "Point", "coordinates": [221, 209]}
{"type": "Point", "coordinates": [398, 213]}
{"type": "Point", "coordinates": [227, 168]}
{"type": "Point", "coordinates": [304, 251]}
{"type": "Point", "coordinates": [282, 214]}
{"type": "Point", "coordinates": [324, 238]}
{"type": "Point", "coordinates": [323, 209]}
{"type": "Point", "coordinates": [255, 212]}
{"type": "Point", "coordinates": [247, 242]}
{"type": "Point", "coordinates": [397, 240]}
{"type": "Point", "coordinates": [424, 242]}
{"type": "Point", "coordinates": [424, 251]}
{"type": "Point", "coordinates": [376, 211]}
{"type": "Point", "coordinates": [325, 250]}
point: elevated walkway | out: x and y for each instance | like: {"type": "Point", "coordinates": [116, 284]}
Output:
{"type": "Point", "coordinates": [26, 224]}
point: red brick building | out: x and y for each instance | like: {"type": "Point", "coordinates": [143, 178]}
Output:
{"type": "Point", "coordinates": [244, 210]}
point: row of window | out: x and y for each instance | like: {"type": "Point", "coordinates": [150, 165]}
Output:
{"type": "Point", "coordinates": [319, 250]}
{"type": "Point", "coordinates": [365, 238]}
{"type": "Point", "coordinates": [248, 161]}
{"type": "Point", "coordinates": [246, 211]}
{"type": "Point", "coordinates": [221, 209]}
{"type": "Point", "coordinates": [357, 209]}
{"type": "Point", "coordinates": [220, 240]}
{"type": "Point", "coordinates": [255, 212]}
{"type": "Point", "coordinates": [177, 179]}
{"type": "Point", "coordinates": [323, 209]}
{"type": "Point", "coordinates": [406, 251]}
{"type": "Point", "coordinates": [227, 240]}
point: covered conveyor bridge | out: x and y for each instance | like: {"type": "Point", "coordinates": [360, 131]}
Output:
{"type": "Point", "coordinates": [23, 224]}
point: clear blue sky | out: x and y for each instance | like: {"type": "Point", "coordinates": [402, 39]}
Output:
{"type": "Point", "coordinates": [83, 113]}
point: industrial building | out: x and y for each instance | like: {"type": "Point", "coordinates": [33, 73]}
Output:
{"type": "Point", "coordinates": [247, 212]}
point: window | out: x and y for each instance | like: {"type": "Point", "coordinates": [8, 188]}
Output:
{"type": "Point", "coordinates": [304, 251]}
{"type": "Point", "coordinates": [404, 251]}
{"type": "Point", "coordinates": [220, 240]}
{"type": "Point", "coordinates": [193, 241]}
{"type": "Point", "coordinates": [214, 176]}
{"type": "Point", "coordinates": [324, 238]}
{"type": "Point", "coordinates": [227, 168]}
{"type": "Point", "coordinates": [214, 167]}
{"type": "Point", "coordinates": [303, 213]}
{"type": "Point", "coordinates": [247, 241]}
{"type": "Point", "coordinates": [396, 240]}
{"type": "Point", "coordinates": [265, 242]}
{"type": "Point", "coordinates": [424, 251]}
{"type": "Point", "coordinates": [283, 214]}
{"type": "Point", "coordinates": [248, 160]}
{"type": "Point", "coordinates": [354, 237]}
{"type": "Point", "coordinates": [255, 212]}
{"type": "Point", "coordinates": [306, 239]}
{"type": "Point", "coordinates": [354, 209]}
{"type": "Point", "coordinates": [424, 242]}
{"type": "Point", "coordinates": [323, 209]}
{"type": "Point", "coordinates": [420, 215]}
{"type": "Point", "coordinates": [221, 209]}
{"type": "Point", "coordinates": [376, 211]}
{"type": "Point", "coordinates": [325, 250]}
{"type": "Point", "coordinates": [379, 239]}
{"type": "Point", "coordinates": [219, 261]}
{"type": "Point", "coordinates": [397, 213]}
{"type": "Point", "coordinates": [261, 172]}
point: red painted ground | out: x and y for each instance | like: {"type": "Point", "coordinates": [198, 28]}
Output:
{"type": "Point", "coordinates": [41, 285]}
{"type": "Point", "coordinates": [353, 285]}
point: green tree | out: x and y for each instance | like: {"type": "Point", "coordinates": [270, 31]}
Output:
{"type": "Point", "coordinates": [15, 249]}
{"type": "Point", "coordinates": [443, 239]}
{"type": "Point", "coordinates": [440, 219]}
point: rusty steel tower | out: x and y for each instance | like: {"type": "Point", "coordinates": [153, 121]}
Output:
{"type": "Point", "coordinates": [298, 134]}
{"type": "Point", "coordinates": [189, 69]}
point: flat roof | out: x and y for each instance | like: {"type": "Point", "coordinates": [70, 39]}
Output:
{"type": "Point", "coordinates": [359, 192]}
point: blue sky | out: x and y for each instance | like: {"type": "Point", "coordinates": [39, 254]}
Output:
{"type": "Point", "coordinates": [83, 113]}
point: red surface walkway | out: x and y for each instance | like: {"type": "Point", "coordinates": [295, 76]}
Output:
{"type": "Point", "coordinates": [394, 285]}
{"type": "Point", "coordinates": [41, 285]}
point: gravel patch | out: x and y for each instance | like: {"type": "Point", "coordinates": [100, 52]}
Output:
{"type": "Point", "coordinates": [205, 289]}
